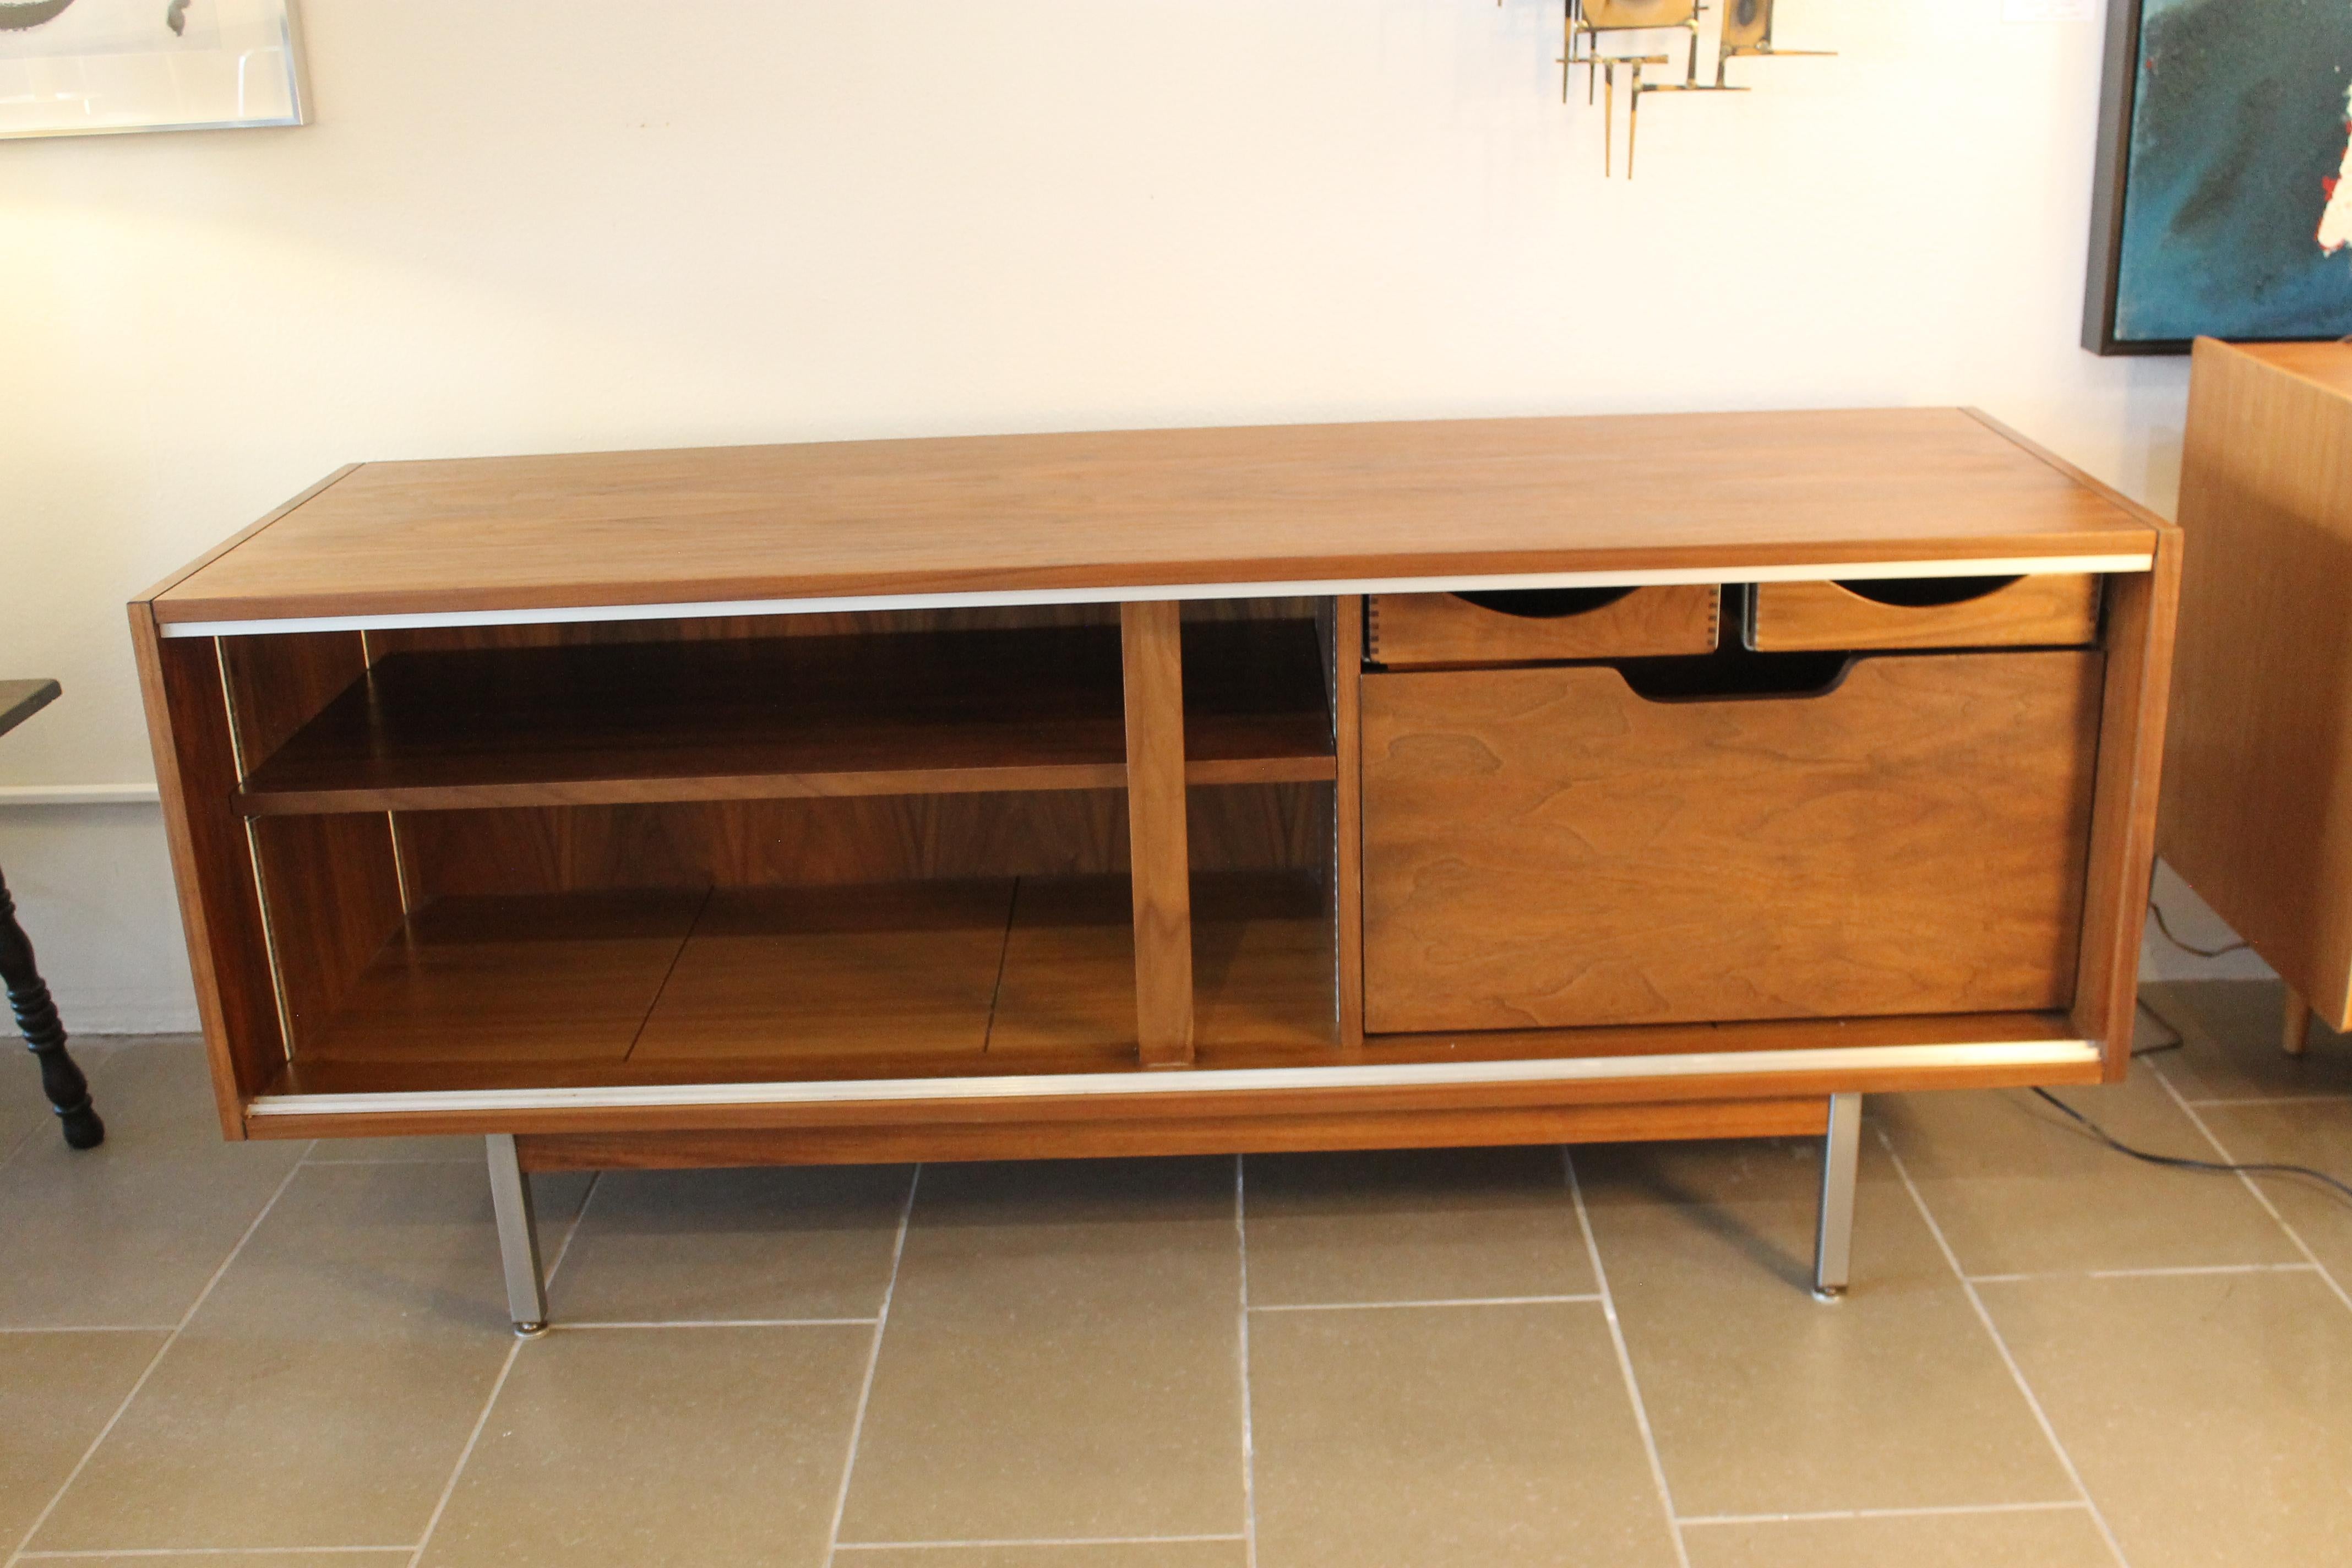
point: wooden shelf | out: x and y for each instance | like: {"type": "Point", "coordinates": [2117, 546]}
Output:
{"type": "Point", "coordinates": [909, 714]}
{"type": "Point", "coordinates": [901, 980]}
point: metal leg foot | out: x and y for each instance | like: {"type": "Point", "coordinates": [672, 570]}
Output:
{"type": "Point", "coordinates": [518, 1237]}
{"type": "Point", "coordinates": [1841, 1156]}
{"type": "Point", "coordinates": [44, 1033]}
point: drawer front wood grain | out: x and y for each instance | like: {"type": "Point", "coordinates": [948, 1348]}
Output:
{"type": "Point", "coordinates": [1408, 630]}
{"type": "Point", "coordinates": [1545, 848]}
{"type": "Point", "coordinates": [2052, 610]}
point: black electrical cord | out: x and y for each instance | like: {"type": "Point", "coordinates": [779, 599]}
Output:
{"type": "Point", "coordinates": [2158, 1049]}
{"type": "Point", "coordinates": [2163, 925]}
{"type": "Point", "coordinates": [2180, 1162]}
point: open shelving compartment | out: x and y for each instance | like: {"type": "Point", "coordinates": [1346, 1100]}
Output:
{"type": "Point", "coordinates": [789, 848]}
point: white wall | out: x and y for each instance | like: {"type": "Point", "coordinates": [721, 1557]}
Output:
{"type": "Point", "coordinates": [543, 224]}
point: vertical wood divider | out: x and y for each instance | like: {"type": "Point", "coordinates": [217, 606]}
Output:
{"type": "Point", "coordinates": [1151, 654]}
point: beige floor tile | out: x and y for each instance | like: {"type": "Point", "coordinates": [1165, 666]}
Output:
{"type": "Point", "coordinates": [2057, 1537]}
{"type": "Point", "coordinates": [128, 1233]}
{"type": "Point", "coordinates": [1063, 1358]}
{"type": "Point", "coordinates": [636, 1447]}
{"type": "Point", "coordinates": [2210, 1415]}
{"type": "Point", "coordinates": [1412, 1225]}
{"type": "Point", "coordinates": [56, 1391]}
{"type": "Point", "coordinates": [383, 1150]}
{"type": "Point", "coordinates": [1089, 1554]}
{"type": "Point", "coordinates": [2229, 1042]}
{"type": "Point", "coordinates": [239, 1559]}
{"type": "Point", "coordinates": [2317, 1134]}
{"type": "Point", "coordinates": [322, 1394]}
{"type": "Point", "coordinates": [671, 1245]}
{"type": "Point", "coordinates": [1486, 1435]}
{"type": "Point", "coordinates": [1766, 1400]}
{"type": "Point", "coordinates": [2020, 1189]}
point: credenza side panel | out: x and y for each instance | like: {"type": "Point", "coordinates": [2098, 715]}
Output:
{"type": "Point", "coordinates": [211, 862]}
{"type": "Point", "coordinates": [2142, 608]}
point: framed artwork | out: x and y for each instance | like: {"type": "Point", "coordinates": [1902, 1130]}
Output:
{"type": "Point", "coordinates": [80, 67]}
{"type": "Point", "coordinates": [2223, 203]}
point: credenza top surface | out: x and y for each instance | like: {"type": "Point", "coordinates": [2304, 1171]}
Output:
{"type": "Point", "coordinates": [1264, 504]}
{"type": "Point", "coordinates": [2327, 363]}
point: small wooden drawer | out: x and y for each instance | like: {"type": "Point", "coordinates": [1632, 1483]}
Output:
{"type": "Point", "coordinates": [2050, 610]}
{"type": "Point", "coordinates": [1548, 849]}
{"type": "Point", "coordinates": [1406, 631]}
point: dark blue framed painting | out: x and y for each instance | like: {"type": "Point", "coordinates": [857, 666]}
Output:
{"type": "Point", "coordinates": [2224, 193]}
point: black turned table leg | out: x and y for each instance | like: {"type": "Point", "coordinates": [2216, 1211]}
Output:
{"type": "Point", "coordinates": [37, 1015]}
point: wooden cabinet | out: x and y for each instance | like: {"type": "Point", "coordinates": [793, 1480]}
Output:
{"type": "Point", "coordinates": [1048, 795]}
{"type": "Point", "coordinates": [2258, 815]}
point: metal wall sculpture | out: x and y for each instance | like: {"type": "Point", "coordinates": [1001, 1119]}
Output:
{"type": "Point", "coordinates": [1593, 27]}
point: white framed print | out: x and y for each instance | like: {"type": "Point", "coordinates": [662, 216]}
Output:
{"type": "Point", "coordinates": [84, 68]}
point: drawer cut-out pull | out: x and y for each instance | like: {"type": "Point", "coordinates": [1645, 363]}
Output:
{"type": "Point", "coordinates": [1735, 674]}
{"type": "Point", "coordinates": [1529, 625]}
{"type": "Point", "coordinates": [1926, 593]}
{"type": "Point", "coordinates": [2055, 610]}
{"type": "Point", "coordinates": [1546, 604]}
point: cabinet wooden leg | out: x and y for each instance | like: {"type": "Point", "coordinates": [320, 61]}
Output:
{"type": "Point", "coordinates": [1840, 1158]}
{"type": "Point", "coordinates": [2294, 1029]}
{"type": "Point", "coordinates": [44, 1032]}
{"type": "Point", "coordinates": [518, 1237]}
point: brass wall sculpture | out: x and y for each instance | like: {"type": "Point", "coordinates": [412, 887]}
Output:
{"type": "Point", "coordinates": [1744, 31]}
{"type": "Point", "coordinates": [1747, 30]}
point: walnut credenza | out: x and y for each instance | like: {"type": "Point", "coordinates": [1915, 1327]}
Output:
{"type": "Point", "coordinates": [1228, 790]}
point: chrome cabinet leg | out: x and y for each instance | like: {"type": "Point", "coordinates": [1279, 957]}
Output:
{"type": "Point", "coordinates": [517, 1236]}
{"type": "Point", "coordinates": [1841, 1155]}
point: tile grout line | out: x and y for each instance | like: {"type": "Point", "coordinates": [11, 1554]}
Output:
{"type": "Point", "coordinates": [718, 1323]}
{"type": "Point", "coordinates": [2251, 1185]}
{"type": "Point", "coordinates": [579, 1222]}
{"type": "Point", "coordinates": [1249, 1436]}
{"type": "Point", "coordinates": [1624, 1359]}
{"type": "Point", "coordinates": [465, 1454]}
{"type": "Point", "coordinates": [2001, 1343]}
{"type": "Point", "coordinates": [2142, 1273]}
{"type": "Point", "coordinates": [2269, 1099]}
{"type": "Point", "coordinates": [1948, 1509]}
{"type": "Point", "coordinates": [313, 1161]}
{"type": "Point", "coordinates": [215, 1552]}
{"type": "Point", "coordinates": [1587, 1299]}
{"type": "Point", "coordinates": [873, 1358]}
{"type": "Point", "coordinates": [1038, 1540]}
{"type": "Point", "coordinates": [155, 1360]}
{"type": "Point", "coordinates": [498, 1384]}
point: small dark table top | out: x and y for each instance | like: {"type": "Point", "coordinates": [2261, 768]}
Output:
{"type": "Point", "coordinates": [20, 699]}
